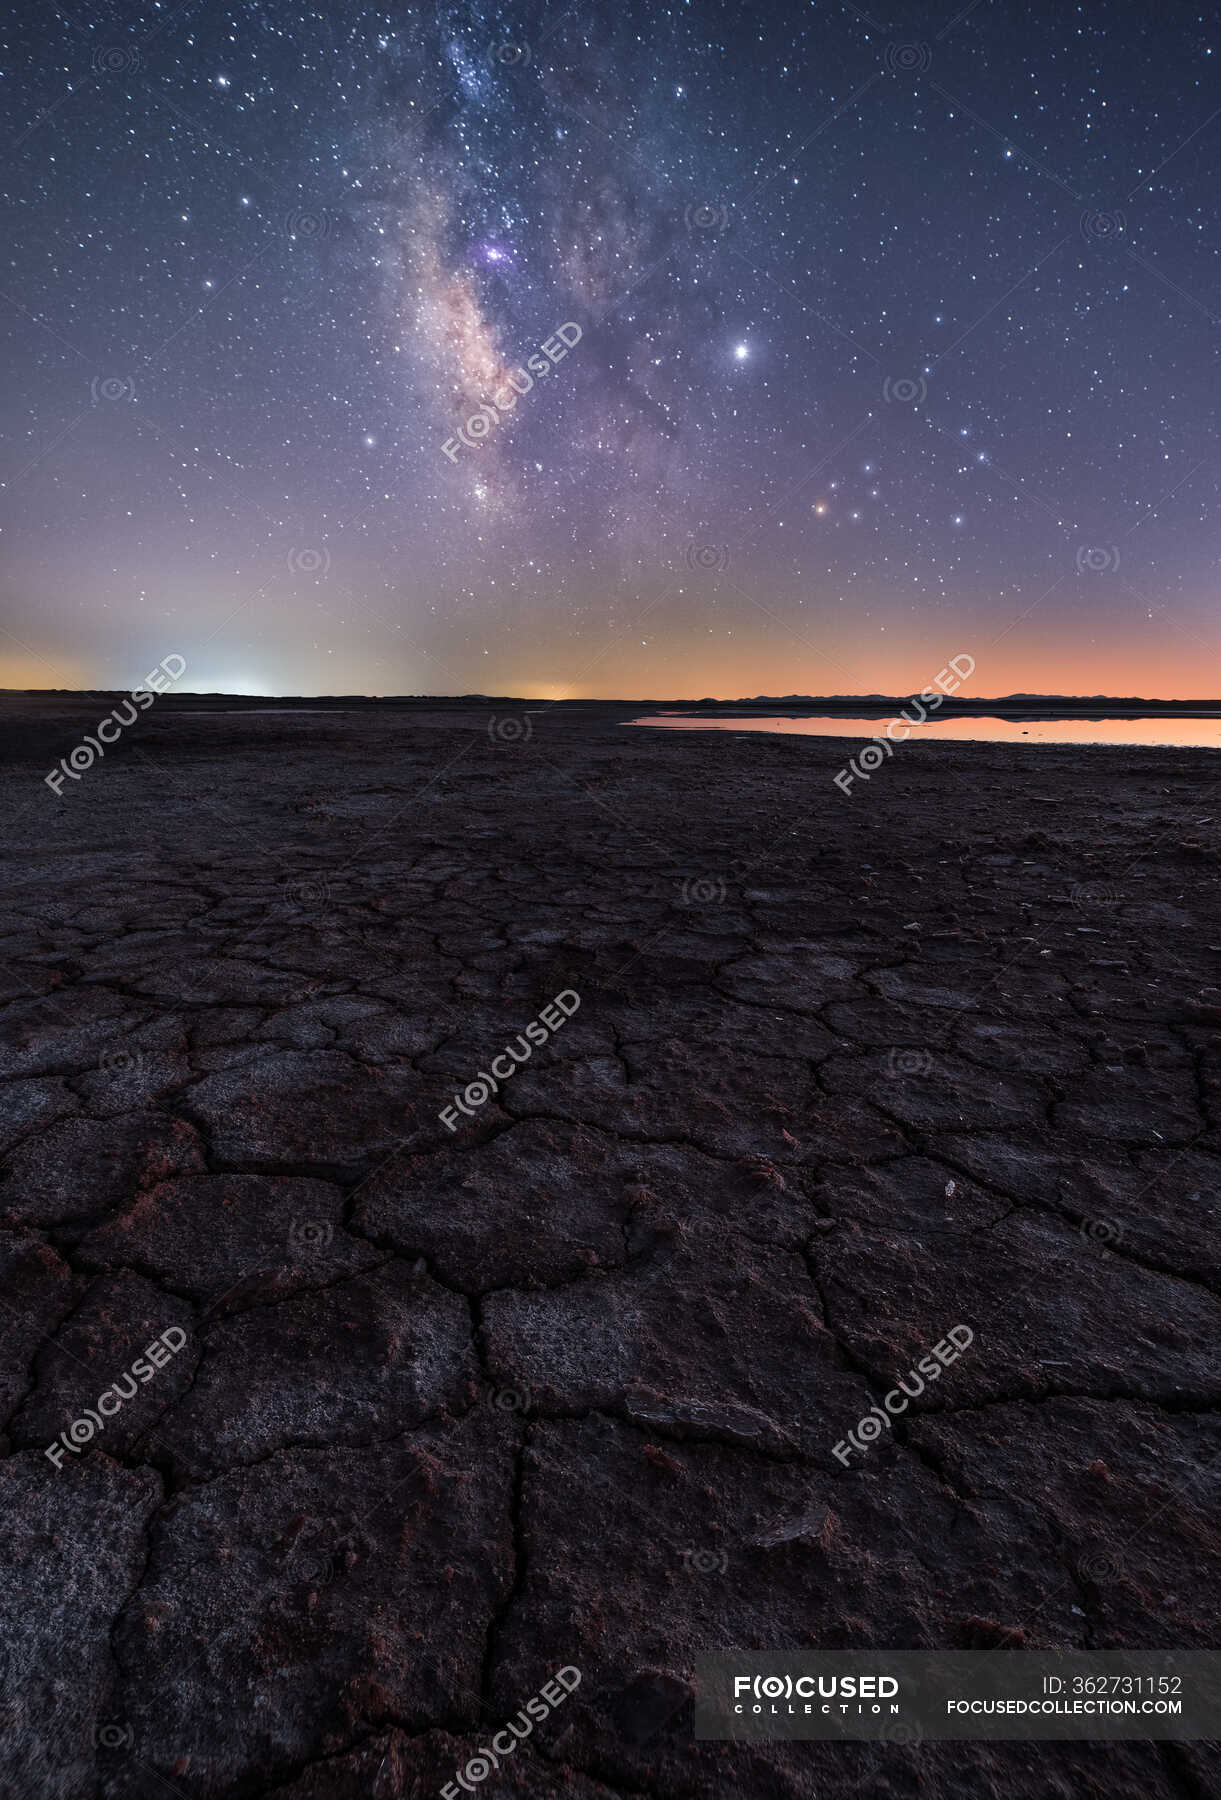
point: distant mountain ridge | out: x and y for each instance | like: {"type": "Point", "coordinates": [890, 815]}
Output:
{"type": "Point", "coordinates": [1024, 702]}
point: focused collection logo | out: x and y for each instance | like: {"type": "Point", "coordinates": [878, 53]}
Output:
{"type": "Point", "coordinates": [111, 1399]}
{"type": "Point", "coordinates": [928, 1369]}
{"type": "Point", "coordinates": [862, 1693]}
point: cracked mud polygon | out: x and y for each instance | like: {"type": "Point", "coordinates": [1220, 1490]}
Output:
{"type": "Point", "coordinates": [561, 1388]}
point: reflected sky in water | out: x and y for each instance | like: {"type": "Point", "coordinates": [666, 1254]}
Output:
{"type": "Point", "coordinates": [1197, 734]}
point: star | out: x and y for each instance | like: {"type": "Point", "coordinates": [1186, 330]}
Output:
{"type": "Point", "coordinates": [395, 224]}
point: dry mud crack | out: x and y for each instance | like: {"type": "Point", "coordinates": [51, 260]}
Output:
{"type": "Point", "coordinates": [563, 1387]}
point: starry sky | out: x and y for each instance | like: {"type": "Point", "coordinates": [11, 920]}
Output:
{"type": "Point", "coordinates": [624, 350]}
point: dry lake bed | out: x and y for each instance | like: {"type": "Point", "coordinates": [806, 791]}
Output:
{"type": "Point", "coordinates": [465, 1181]}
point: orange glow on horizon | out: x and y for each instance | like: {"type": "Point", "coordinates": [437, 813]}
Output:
{"type": "Point", "coordinates": [689, 646]}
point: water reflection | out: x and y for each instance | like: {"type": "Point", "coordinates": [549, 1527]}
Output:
{"type": "Point", "coordinates": [1169, 733]}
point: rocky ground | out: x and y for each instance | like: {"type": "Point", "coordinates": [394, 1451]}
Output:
{"type": "Point", "coordinates": [449, 1411]}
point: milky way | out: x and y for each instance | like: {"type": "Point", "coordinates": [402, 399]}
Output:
{"type": "Point", "coordinates": [892, 342]}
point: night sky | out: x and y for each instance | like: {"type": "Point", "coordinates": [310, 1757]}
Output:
{"type": "Point", "coordinates": [897, 340]}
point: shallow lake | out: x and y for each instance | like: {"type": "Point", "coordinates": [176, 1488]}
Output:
{"type": "Point", "coordinates": [1195, 734]}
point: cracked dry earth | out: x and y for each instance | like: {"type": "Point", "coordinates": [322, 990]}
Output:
{"type": "Point", "coordinates": [561, 1389]}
